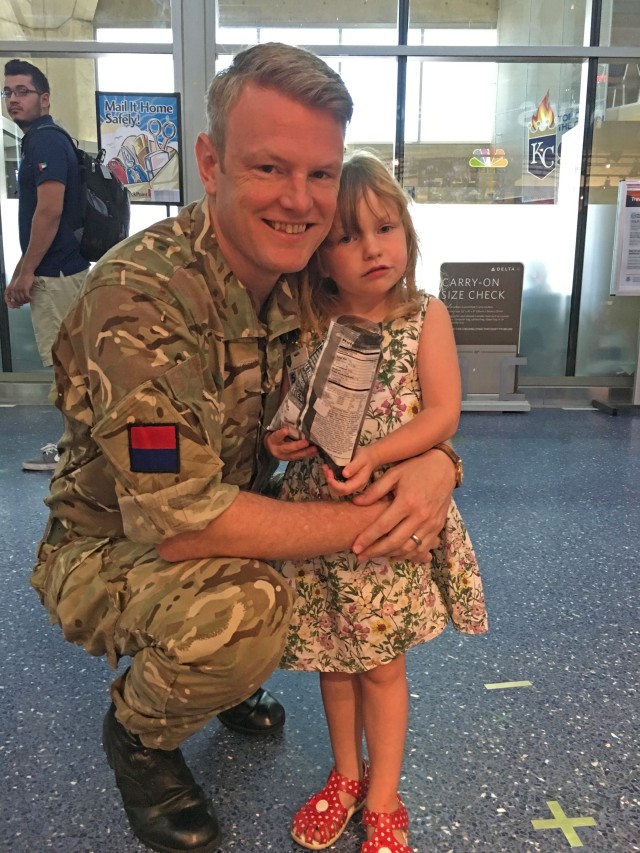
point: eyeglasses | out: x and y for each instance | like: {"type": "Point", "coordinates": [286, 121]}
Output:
{"type": "Point", "coordinates": [19, 92]}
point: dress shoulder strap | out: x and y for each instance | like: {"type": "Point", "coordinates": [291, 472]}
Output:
{"type": "Point", "coordinates": [426, 299]}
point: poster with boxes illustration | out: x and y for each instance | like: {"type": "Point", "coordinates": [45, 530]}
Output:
{"type": "Point", "coordinates": [141, 136]}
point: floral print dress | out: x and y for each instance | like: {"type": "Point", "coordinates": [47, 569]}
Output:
{"type": "Point", "coordinates": [351, 617]}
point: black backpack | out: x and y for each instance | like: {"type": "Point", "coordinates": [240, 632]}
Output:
{"type": "Point", "coordinates": [105, 203]}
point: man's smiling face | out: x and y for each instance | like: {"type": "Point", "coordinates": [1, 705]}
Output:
{"type": "Point", "coordinates": [273, 198]}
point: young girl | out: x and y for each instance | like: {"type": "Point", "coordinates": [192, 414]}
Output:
{"type": "Point", "coordinates": [353, 622]}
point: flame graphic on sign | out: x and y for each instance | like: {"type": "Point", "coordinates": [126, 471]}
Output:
{"type": "Point", "coordinates": [544, 118]}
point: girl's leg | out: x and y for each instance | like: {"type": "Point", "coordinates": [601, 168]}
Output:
{"type": "Point", "coordinates": [385, 708]}
{"type": "Point", "coordinates": [343, 709]}
{"type": "Point", "coordinates": [318, 823]}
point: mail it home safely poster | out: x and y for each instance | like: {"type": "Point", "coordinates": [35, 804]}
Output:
{"type": "Point", "coordinates": [141, 138]}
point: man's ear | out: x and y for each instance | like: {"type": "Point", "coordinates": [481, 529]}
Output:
{"type": "Point", "coordinates": [208, 163]}
{"type": "Point", "coordinates": [45, 100]}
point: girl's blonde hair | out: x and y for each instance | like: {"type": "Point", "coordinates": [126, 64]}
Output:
{"type": "Point", "coordinates": [362, 172]}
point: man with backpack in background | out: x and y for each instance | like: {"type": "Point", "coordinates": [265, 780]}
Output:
{"type": "Point", "coordinates": [51, 270]}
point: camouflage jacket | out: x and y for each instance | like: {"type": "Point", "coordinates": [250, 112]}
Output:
{"type": "Point", "coordinates": [165, 375]}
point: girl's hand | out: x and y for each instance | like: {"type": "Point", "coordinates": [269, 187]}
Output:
{"type": "Point", "coordinates": [357, 473]}
{"type": "Point", "coordinates": [280, 446]}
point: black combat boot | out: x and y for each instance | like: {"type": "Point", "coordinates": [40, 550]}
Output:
{"type": "Point", "coordinates": [260, 714]}
{"type": "Point", "coordinates": [166, 809]}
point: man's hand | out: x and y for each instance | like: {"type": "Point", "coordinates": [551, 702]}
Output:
{"type": "Point", "coordinates": [44, 226]}
{"type": "Point", "coordinates": [18, 292]}
{"type": "Point", "coordinates": [421, 488]}
{"type": "Point", "coordinates": [280, 446]}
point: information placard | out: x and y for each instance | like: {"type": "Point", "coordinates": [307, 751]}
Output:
{"type": "Point", "coordinates": [484, 301]}
{"type": "Point", "coordinates": [625, 272]}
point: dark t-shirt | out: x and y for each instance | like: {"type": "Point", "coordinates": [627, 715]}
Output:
{"type": "Point", "coordinates": [49, 156]}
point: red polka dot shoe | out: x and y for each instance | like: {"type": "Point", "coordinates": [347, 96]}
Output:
{"type": "Point", "coordinates": [323, 818]}
{"type": "Point", "coordinates": [383, 840]}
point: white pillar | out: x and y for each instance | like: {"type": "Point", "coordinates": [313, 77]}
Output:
{"type": "Point", "coordinates": [194, 25]}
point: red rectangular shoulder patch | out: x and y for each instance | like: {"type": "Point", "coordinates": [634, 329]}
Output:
{"type": "Point", "coordinates": [154, 448]}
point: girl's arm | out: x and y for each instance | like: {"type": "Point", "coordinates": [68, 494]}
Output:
{"type": "Point", "coordinates": [439, 376]}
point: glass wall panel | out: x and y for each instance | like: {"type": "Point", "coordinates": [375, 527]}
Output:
{"type": "Point", "coordinates": [516, 22]}
{"type": "Point", "coordinates": [608, 328]}
{"type": "Point", "coordinates": [347, 34]}
{"type": "Point", "coordinates": [490, 132]}
{"type": "Point", "coordinates": [309, 17]}
{"type": "Point", "coordinates": [73, 85]}
{"type": "Point", "coordinates": [68, 20]}
{"type": "Point", "coordinates": [524, 117]}
{"type": "Point", "coordinates": [441, 14]}
{"type": "Point", "coordinates": [620, 23]}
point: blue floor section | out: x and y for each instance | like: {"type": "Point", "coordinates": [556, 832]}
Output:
{"type": "Point", "coordinates": [552, 502]}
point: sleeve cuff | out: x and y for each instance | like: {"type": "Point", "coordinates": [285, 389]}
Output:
{"type": "Point", "coordinates": [151, 518]}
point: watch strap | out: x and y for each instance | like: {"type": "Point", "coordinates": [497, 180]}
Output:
{"type": "Point", "coordinates": [453, 456]}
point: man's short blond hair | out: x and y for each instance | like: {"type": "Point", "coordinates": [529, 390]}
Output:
{"type": "Point", "coordinates": [291, 71]}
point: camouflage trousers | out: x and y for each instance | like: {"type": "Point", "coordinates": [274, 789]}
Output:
{"type": "Point", "coordinates": [203, 634]}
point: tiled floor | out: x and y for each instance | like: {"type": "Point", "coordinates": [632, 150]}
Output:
{"type": "Point", "coordinates": [552, 500]}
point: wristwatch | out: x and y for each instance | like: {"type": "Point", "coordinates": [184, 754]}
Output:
{"type": "Point", "coordinates": [453, 456]}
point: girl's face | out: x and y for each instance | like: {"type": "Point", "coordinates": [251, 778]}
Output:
{"type": "Point", "coordinates": [367, 265]}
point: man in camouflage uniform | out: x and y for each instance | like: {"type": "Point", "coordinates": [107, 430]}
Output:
{"type": "Point", "coordinates": [166, 368]}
